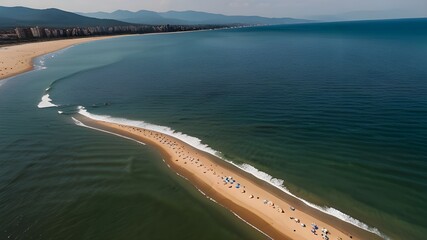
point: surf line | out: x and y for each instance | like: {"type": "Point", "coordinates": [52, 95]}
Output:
{"type": "Point", "coordinates": [79, 123]}
{"type": "Point", "coordinates": [162, 135]}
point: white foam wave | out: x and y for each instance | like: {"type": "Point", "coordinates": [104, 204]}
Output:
{"type": "Point", "coordinates": [39, 63]}
{"type": "Point", "coordinates": [193, 141]}
{"type": "Point", "coordinates": [46, 102]}
{"type": "Point", "coordinates": [79, 123]}
{"type": "Point", "coordinates": [167, 164]}
{"type": "Point", "coordinates": [196, 143]}
{"type": "Point", "coordinates": [207, 196]}
{"type": "Point", "coordinates": [278, 183]}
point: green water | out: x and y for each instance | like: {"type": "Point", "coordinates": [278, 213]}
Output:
{"type": "Point", "coordinates": [59, 181]}
{"type": "Point", "coordinates": [337, 111]}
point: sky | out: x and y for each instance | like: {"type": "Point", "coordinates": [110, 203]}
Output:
{"type": "Point", "coordinates": [313, 9]}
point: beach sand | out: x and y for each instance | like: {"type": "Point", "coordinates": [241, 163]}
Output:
{"type": "Point", "coordinates": [17, 59]}
{"type": "Point", "coordinates": [275, 213]}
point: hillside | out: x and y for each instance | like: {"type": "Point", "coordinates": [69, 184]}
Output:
{"type": "Point", "coordinates": [187, 17]}
{"type": "Point", "coordinates": [23, 17]}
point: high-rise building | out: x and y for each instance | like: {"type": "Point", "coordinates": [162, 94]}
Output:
{"type": "Point", "coordinates": [38, 32]}
{"type": "Point", "coordinates": [21, 33]}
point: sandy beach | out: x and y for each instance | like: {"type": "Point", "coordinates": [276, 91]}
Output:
{"type": "Point", "coordinates": [17, 59]}
{"type": "Point", "coordinates": [275, 213]}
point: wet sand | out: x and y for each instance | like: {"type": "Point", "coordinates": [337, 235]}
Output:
{"type": "Point", "coordinates": [275, 213]}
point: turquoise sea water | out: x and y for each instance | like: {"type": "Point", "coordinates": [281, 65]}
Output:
{"type": "Point", "coordinates": [336, 110]}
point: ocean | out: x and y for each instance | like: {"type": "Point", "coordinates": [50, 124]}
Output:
{"type": "Point", "coordinates": [333, 113]}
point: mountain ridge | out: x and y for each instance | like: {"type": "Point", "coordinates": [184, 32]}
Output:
{"type": "Point", "coordinates": [51, 17]}
{"type": "Point", "coordinates": [187, 17]}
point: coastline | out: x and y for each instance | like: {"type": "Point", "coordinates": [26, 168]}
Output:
{"type": "Point", "coordinates": [206, 172]}
{"type": "Point", "coordinates": [17, 59]}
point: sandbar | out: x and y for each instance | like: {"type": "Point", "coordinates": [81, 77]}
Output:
{"type": "Point", "coordinates": [271, 211]}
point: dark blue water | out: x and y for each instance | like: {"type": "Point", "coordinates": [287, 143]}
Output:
{"type": "Point", "coordinates": [336, 110]}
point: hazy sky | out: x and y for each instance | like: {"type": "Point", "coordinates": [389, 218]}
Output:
{"type": "Point", "coordinates": [270, 8]}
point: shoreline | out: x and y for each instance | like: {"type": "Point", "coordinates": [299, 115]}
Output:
{"type": "Point", "coordinates": [264, 207]}
{"type": "Point", "coordinates": [18, 59]}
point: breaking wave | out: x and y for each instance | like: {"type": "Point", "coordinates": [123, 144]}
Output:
{"type": "Point", "coordinates": [197, 143]}
{"type": "Point", "coordinates": [40, 62]}
{"type": "Point", "coordinates": [193, 141]}
{"type": "Point", "coordinates": [78, 123]}
{"type": "Point", "coordinates": [46, 102]}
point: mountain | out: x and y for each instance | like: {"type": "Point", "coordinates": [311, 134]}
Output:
{"type": "Point", "coordinates": [188, 17]}
{"type": "Point", "coordinates": [204, 18]}
{"type": "Point", "coordinates": [23, 17]}
{"type": "Point", "coordinates": [140, 17]}
{"type": "Point", "coordinates": [370, 15]}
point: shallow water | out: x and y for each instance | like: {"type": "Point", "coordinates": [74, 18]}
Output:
{"type": "Point", "coordinates": [336, 111]}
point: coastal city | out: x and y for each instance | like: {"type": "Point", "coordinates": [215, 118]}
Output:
{"type": "Point", "coordinates": [207, 120]}
{"type": "Point", "coordinates": [38, 33]}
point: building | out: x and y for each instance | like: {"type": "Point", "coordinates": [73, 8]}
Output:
{"type": "Point", "coordinates": [48, 33]}
{"type": "Point", "coordinates": [37, 32]}
{"type": "Point", "coordinates": [23, 33]}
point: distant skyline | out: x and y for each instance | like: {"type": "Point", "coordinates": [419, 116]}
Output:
{"type": "Point", "coordinates": [310, 9]}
